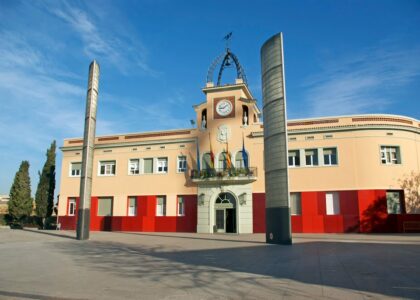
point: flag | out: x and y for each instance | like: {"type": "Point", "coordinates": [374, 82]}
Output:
{"type": "Point", "coordinates": [198, 158]}
{"type": "Point", "coordinates": [244, 154]}
{"type": "Point", "coordinates": [211, 154]}
{"type": "Point", "coordinates": [228, 161]}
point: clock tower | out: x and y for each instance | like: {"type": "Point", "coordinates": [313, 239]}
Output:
{"type": "Point", "coordinates": [225, 122]}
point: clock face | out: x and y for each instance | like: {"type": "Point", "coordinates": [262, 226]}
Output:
{"type": "Point", "coordinates": [224, 108]}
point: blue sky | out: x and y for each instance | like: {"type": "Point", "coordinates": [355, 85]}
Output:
{"type": "Point", "coordinates": [341, 57]}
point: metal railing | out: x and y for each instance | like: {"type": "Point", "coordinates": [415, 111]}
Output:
{"type": "Point", "coordinates": [224, 173]}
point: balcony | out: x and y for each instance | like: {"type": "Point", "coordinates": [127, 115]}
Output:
{"type": "Point", "coordinates": [226, 176]}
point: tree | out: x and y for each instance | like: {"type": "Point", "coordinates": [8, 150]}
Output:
{"type": "Point", "coordinates": [411, 186]}
{"type": "Point", "coordinates": [20, 203]}
{"type": "Point", "coordinates": [44, 196]}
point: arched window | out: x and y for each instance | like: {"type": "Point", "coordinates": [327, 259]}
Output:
{"type": "Point", "coordinates": [239, 160]}
{"type": "Point", "coordinates": [204, 119]}
{"type": "Point", "coordinates": [245, 115]}
{"type": "Point", "coordinates": [207, 163]}
{"type": "Point", "coordinates": [222, 160]}
{"type": "Point", "coordinates": [226, 198]}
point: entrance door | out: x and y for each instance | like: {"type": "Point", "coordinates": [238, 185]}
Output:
{"type": "Point", "coordinates": [220, 220]}
{"type": "Point", "coordinates": [225, 213]}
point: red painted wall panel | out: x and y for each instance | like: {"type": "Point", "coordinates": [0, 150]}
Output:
{"type": "Point", "coordinates": [258, 212]}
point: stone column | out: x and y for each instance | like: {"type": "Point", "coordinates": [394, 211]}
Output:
{"type": "Point", "coordinates": [277, 207]}
{"type": "Point", "coordinates": [83, 214]}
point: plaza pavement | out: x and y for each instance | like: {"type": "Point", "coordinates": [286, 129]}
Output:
{"type": "Point", "coordinates": [115, 265]}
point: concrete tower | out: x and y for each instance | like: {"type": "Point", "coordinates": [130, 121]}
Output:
{"type": "Point", "coordinates": [83, 220]}
{"type": "Point", "coordinates": [278, 229]}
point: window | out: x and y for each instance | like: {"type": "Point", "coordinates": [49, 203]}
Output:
{"type": "Point", "coordinates": [330, 156]}
{"type": "Point", "coordinates": [182, 164]}
{"type": "Point", "coordinates": [134, 166]}
{"type": "Point", "coordinates": [311, 156]}
{"type": "Point", "coordinates": [332, 203]}
{"type": "Point", "coordinates": [207, 163]}
{"type": "Point", "coordinates": [76, 169]}
{"type": "Point", "coordinates": [72, 207]}
{"type": "Point", "coordinates": [181, 206]}
{"type": "Point", "coordinates": [132, 206]}
{"type": "Point", "coordinates": [294, 159]}
{"type": "Point", "coordinates": [148, 165]}
{"type": "Point", "coordinates": [107, 167]}
{"type": "Point", "coordinates": [390, 155]}
{"type": "Point", "coordinates": [239, 160]}
{"type": "Point", "coordinates": [295, 204]}
{"type": "Point", "coordinates": [393, 202]}
{"type": "Point", "coordinates": [223, 160]}
{"type": "Point", "coordinates": [161, 206]}
{"type": "Point", "coordinates": [162, 165]}
{"type": "Point", "coordinates": [105, 207]}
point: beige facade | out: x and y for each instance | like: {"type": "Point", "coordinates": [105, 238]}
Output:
{"type": "Point", "coordinates": [348, 151]}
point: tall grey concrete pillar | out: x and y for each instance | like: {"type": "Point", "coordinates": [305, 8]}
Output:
{"type": "Point", "coordinates": [277, 208]}
{"type": "Point", "coordinates": [83, 213]}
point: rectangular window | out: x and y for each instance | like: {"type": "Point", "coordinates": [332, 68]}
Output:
{"type": "Point", "coordinates": [105, 207]}
{"type": "Point", "coordinates": [132, 206]}
{"type": "Point", "coordinates": [182, 164]}
{"type": "Point", "coordinates": [295, 204]}
{"type": "Point", "coordinates": [76, 169]}
{"type": "Point", "coordinates": [181, 206]}
{"type": "Point", "coordinates": [330, 156]}
{"type": "Point", "coordinates": [72, 207]}
{"type": "Point", "coordinates": [332, 203]}
{"type": "Point", "coordinates": [148, 165]}
{"type": "Point", "coordinates": [162, 165]}
{"type": "Point", "coordinates": [390, 155]}
{"type": "Point", "coordinates": [134, 166]}
{"type": "Point", "coordinates": [160, 206]}
{"type": "Point", "coordinates": [311, 157]}
{"type": "Point", "coordinates": [294, 159]}
{"type": "Point", "coordinates": [107, 167]}
{"type": "Point", "coordinates": [393, 202]}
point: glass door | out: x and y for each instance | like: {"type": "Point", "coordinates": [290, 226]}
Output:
{"type": "Point", "coordinates": [220, 220]}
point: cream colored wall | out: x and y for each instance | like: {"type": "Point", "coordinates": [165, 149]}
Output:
{"type": "Point", "coordinates": [123, 185]}
{"type": "Point", "coordinates": [359, 164]}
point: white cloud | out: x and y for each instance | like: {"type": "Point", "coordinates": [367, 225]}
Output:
{"type": "Point", "coordinates": [102, 42]}
{"type": "Point", "coordinates": [359, 83]}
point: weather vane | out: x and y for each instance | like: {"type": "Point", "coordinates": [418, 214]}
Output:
{"type": "Point", "coordinates": [227, 38]}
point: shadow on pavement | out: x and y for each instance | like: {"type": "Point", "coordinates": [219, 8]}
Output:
{"type": "Point", "coordinates": [51, 233]}
{"type": "Point", "coordinates": [386, 269]}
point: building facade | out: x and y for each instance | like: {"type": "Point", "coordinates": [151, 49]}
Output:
{"type": "Point", "coordinates": [345, 172]}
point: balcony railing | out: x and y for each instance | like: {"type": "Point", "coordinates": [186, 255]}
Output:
{"type": "Point", "coordinates": [228, 174]}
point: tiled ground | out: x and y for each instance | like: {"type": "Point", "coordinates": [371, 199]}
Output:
{"type": "Point", "coordinates": [53, 265]}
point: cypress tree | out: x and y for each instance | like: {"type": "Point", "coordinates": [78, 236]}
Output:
{"type": "Point", "coordinates": [44, 196]}
{"type": "Point", "coordinates": [20, 203]}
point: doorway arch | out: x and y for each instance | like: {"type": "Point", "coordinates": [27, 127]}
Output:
{"type": "Point", "coordinates": [225, 210]}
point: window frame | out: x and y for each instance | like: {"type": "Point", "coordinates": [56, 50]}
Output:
{"type": "Point", "coordinates": [312, 157]}
{"type": "Point", "coordinates": [162, 212]}
{"type": "Point", "coordinates": [71, 169]}
{"type": "Point", "coordinates": [112, 207]}
{"type": "Point", "coordinates": [335, 150]}
{"type": "Point", "coordinates": [164, 166]}
{"type": "Point", "coordinates": [143, 166]}
{"type": "Point", "coordinates": [129, 213]}
{"type": "Point", "coordinates": [294, 165]}
{"type": "Point", "coordinates": [401, 205]}
{"type": "Point", "coordinates": [336, 207]}
{"type": "Point", "coordinates": [178, 206]}
{"type": "Point", "coordinates": [178, 161]}
{"type": "Point", "coordinates": [104, 162]}
{"type": "Point", "coordinates": [384, 149]}
{"type": "Point", "coordinates": [299, 197]}
{"type": "Point", "coordinates": [130, 164]}
{"type": "Point", "coordinates": [71, 200]}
